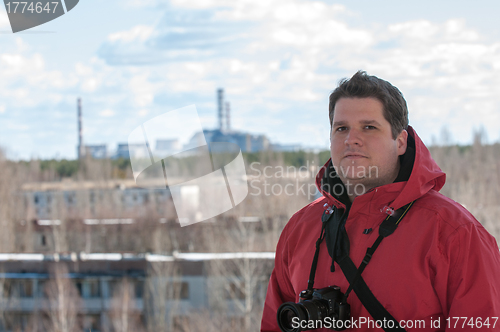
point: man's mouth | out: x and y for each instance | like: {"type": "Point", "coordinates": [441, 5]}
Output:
{"type": "Point", "coordinates": [354, 156]}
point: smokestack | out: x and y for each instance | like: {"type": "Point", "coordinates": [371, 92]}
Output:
{"type": "Point", "coordinates": [220, 103]}
{"type": "Point", "coordinates": [80, 134]}
{"type": "Point", "coordinates": [228, 115]}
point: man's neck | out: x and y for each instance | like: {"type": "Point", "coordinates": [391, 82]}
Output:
{"type": "Point", "coordinates": [357, 188]}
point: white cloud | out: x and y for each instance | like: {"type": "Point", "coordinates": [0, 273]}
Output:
{"type": "Point", "coordinates": [142, 89]}
{"type": "Point", "coordinates": [26, 82]}
{"type": "Point", "coordinates": [453, 30]}
{"type": "Point", "coordinates": [138, 33]}
{"type": "Point", "coordinates": [12, 60]}
{"type": "Point", "coordinates": [83, 70]}
{"type": "Point", "coordinates": [107, 113]}
{"type": "Point", "coordinates": [143, 3]}
{"type": "Point", "coordinates": [89, 85]}
{"type": "Point", "coordinates": [204, 4]}
{"type": "Point", "coordinates": [4, 20]}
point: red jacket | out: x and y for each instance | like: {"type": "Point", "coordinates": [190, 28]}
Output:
{"type": "Point", "coordinates": [439, 264]}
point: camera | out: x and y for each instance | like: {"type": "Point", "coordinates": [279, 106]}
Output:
{"type": "Point", "coordinates": [317, 308]}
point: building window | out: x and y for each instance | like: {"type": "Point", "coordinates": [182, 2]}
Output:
{"type": "Point", "coordinates": [7, 288]}
{"type": "Point", "coordinates": [235, 290]}
{"type": "Point", "coordinates": [178, 290]}
{"type": "Point", "coordinates": [25, 288]}
{"type": "Point", "coordinates": [94, 288]}
{"type": "Point", "coordinates": [134, 287]}
{"type": "Point", "coordinates": [79, 287]}
{"type": "Point", "coordinates": [17, 322]}
{"type": "Point", "coordinates": [139, 289]}
{"type": "Point", "coordinates": [90, 322]}
{"type": "Point", "coordinates": [41, 288]}
{"type": "Point", "coordinates": [43, 240]}
{"type": "Point", "coordinates": [180, 323]}
{"type": "Point", "coordinates": [89, 288]}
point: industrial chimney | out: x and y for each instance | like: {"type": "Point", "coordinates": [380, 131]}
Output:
{"type": "Point", "coordinates": [220, 104]}
{"type": "Point", "coordinates": [228, 112]}
{"type": "Point", "coordinates": [81, 150]}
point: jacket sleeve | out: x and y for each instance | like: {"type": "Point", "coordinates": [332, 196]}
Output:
{"type": "Point", "coordinates": [472, 299]}
{"type": "Point", "coordinates": [280, 288]}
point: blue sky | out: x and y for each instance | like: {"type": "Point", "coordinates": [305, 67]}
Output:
{"type": "Point", "coordinates": [132, 60]}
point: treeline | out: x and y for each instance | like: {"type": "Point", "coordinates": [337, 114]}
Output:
{"type": "Point", "coordinates": [57, 169]}
{"type": "Point", "coordinates": [54, 169]}
{"type": "Point", "coordinates": [473, 179]}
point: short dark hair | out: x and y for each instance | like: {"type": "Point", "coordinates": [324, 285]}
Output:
{"type": "Point", "coordinates": [362, 85]}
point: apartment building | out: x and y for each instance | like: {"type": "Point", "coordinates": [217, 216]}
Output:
{"type": "Point", "coordinates": [178, 285]}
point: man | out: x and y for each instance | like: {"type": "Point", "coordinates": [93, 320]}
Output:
{"type": "Point", "coordinates": [438, 266]}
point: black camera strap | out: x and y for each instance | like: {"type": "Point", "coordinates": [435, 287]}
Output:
{"type": "Point", "coordinates": [310, 282]}
{"type": "Point", "coordinates": [387, 227]}
{"type": "Point", "coordinates": [339, 250]}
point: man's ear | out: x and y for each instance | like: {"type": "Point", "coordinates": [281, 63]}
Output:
{"type": "Point", "coordinates": [402, 142]}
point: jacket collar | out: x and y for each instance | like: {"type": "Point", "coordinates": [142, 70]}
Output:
{"type": "Point", "coordinates": [418, 174]}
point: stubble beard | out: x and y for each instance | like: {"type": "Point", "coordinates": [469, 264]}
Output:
{"type": "Point", "coordinates": [358, 185]}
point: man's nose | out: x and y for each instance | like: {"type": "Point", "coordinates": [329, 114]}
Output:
{"type": "Point", "coordinates": [353, 138]}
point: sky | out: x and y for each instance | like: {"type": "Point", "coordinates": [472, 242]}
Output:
{"type": "Point", "coordinates": [277, 60]}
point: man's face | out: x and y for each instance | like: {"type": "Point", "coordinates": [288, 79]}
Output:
{"type": "Point", "coordinates": [362, 148]}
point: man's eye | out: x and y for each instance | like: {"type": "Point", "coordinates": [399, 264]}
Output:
{"type": "Point", "coordinates": [341, 129]}
{"type": "Point", "coordinates": [370, 127]}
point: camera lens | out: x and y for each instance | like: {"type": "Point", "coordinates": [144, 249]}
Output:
{"type": "Point", "coordinates": [316, 309]}
{"type": "Point", "coordinates": [286, 319]}
{"type": "Point", "coordinates": [286, 314]}
{"type": "Point", "coordinates": [315, 306]}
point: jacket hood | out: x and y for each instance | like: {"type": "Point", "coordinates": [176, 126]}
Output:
{"type": "Point", "coordinates": [418, 174]}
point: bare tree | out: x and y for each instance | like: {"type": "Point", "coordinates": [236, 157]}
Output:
{"type": "Point", "coordinates": [63, 301]}
{"type": "Point", "coordinates": [9, 185]}
{"type": "Point", "coordinates": [124, 314]}
{"type": "Point", "coordinates": [237, 286]}
{"type": "Point", "coordinates": [161, 298]}
{"type": "Point", "coordinates": [35, 323]}
{"type": "Point", "coordinates": [473, 178]}
{"type": "Point", "coordinates": [9, 298]}
{"type": "Point", "coordinates": [209, 321]}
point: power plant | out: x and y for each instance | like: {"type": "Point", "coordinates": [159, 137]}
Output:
{"type": "Point", "coordinates": [246, 141]}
